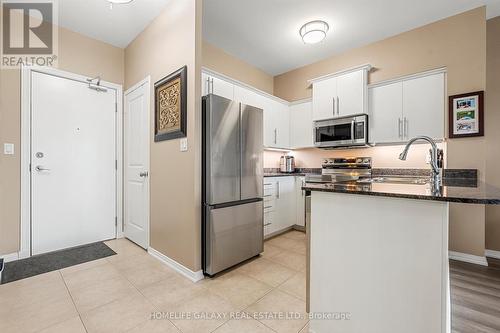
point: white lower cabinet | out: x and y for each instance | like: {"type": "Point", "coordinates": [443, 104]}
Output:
{"type": "Point", "coordinates": [284, 203]}
{"type": "Point", "coordinates": [279, 204]}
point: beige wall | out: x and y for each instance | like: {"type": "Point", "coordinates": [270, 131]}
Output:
{"type": "Point", "coordinates": [168, 43]}
{"type": "Point", "coordinates": [435, 45]}
{"type": "Point", "coordinates": [221, 62]}
{"type": "Point", "coordinates": [492, 126]}
{"type": "Point", "coordinates": [77, 54]}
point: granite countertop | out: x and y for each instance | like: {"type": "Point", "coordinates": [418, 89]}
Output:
{"type": "Point", "coordinates": [453, 190]}
{"type": "Point", "coordinates": [283, 174]}
{"type": "Point", "coordinates": [299, 172]}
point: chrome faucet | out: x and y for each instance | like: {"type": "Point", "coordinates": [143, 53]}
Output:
{"type": "Point", "coordinates": [436, 158]}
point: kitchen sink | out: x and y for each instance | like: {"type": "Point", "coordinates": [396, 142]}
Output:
{"type": "Point", "coordinates": [396, 180]}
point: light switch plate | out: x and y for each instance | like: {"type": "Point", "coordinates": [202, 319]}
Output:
{"type": "Point", "coordinates": [8, 149]}
{"type": "Point", "coordinates": [184, 144]}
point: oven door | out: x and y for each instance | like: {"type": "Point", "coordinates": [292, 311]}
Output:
{"type": "Point", "coordinates": [341, 132]}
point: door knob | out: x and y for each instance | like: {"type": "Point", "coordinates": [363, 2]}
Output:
{"type": "Point", "coordinates": [144, 174]}
{"type": "Point", "coordinates": [40, 168]}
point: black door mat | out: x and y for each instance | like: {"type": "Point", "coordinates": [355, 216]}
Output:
{"type": "Point", "coordinates": [48, 262]}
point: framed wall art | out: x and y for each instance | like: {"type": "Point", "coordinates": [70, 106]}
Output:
{"type": "Point", "coordinates": [170, 106]}
{"type": "Point", "coordinates": [466, 115]}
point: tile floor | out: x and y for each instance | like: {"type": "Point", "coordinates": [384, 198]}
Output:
{"type": "Point", "coordinates": [120, 294]}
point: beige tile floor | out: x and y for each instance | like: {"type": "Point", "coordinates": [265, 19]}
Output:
{"type": "Point", "coordinates": [120, 294]}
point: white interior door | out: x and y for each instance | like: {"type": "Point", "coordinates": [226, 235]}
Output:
{"type": "Point", "coordinates": [73, 171]}
{"type": "Point", "coordinates": [137, 164]}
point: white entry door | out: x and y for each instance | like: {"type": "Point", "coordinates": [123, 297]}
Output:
{"type": "Point", "coordinates": [73, 171]}
{"type": "Point", "coordinates": [137, 164]}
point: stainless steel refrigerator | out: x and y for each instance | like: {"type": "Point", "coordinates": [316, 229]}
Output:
{"type": "Point", "coordinates": [232, 181]}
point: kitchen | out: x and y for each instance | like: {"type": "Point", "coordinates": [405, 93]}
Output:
{"type": "Point", "coordinates": [385, 93]}
{"type": "Point", "coordinates": [262, 166]}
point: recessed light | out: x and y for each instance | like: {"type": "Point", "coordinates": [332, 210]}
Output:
{"type": "Point", "coordinates": [314, 32]}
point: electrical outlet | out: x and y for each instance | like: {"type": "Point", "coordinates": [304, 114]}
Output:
{"type": "Point", "coordinates": [184, 144]}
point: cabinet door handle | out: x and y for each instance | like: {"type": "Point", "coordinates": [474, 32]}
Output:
{"type": "Point", "coordinates": [278, 190]}
{"type": "Point", "coordinates": [405, 127]}
{"type": "Point", "coordinates": [275, 136]}
{"type": "Point", "coordinates": [334, 108]}
{"type": "Point", "coordinates": [353, 137]}
{"type": "Point", "coordinates": [338, 106]}
{"type": "Point", "coordinates": [400, 124]}
{"type": "Point", "coordinates": [212, 81]}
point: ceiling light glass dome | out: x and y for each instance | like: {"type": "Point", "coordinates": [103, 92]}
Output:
{"type": "Point", "coordinates": [314, 32]}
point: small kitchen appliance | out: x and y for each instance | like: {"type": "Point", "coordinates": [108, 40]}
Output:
{"type": "Point", "coordinates": [287, 164]}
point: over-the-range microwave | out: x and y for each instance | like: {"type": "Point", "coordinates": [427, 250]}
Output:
{"type": "Point", "coordinates": [343, 132]}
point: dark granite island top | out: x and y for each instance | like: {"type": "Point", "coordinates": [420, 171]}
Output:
{"type": "Point", "coordinates": [453, 190]}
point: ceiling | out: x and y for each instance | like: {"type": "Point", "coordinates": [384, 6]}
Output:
{"type": "Point", "coordinates": [265, 33]}
{"type": "Point", "coordinates": [118, 26]}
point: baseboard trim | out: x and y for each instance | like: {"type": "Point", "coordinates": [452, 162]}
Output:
{"type": "Point", "coordinates": [299, 228]}
{"type": "Point", "coordinates": [469, 258]}
{"type": "Point", "coordinates": [492, 254]}
{"type": "Point", "coordinates": [193, 276]}
{"type": "Point", "coordinates": [10, 257]}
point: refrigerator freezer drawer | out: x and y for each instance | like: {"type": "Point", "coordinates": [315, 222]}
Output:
{"type": "Point", "coordinates": [233, 234]}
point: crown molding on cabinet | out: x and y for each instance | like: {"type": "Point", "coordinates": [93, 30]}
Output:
{"type": "Point", "coordinates": [243, 85]}
{"type": "Point", "coordinates": [408, 77]}
{"type": "Point", "coordinates": [366, 67]}
{"type": "Point", "coordinates": [301, 101]}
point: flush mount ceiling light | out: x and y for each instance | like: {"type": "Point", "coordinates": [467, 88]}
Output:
{"type": "Point", "coordinates": [314, 32]}
{"type": "Point", "coordinates": [118, 2]}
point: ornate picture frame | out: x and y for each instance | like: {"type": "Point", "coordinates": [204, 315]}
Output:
{"type": "Point", "coordinates": [466, 115]}
{"type": "Point", "coordinates": [170, 106]}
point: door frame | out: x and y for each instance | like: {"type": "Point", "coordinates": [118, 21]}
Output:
{"type": "Point", "coordinates": [25, 151]}
{"type": "Point", "coordinates": [147, 82]}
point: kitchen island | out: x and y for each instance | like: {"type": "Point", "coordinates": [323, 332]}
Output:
{"type": "Point", "coordinates": [379, 254]}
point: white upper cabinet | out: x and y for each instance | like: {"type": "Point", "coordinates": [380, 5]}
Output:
{"type": "Point", "coordinates": [324, 99]}
{"type": "Point", "coordinates": [247, 96]}
{"type": "Point", "coordinates": [276, 124]}
{"type": "Point", "coordinates": [424, 106]}
{"type": "Point", "coordinates": [301, 125]}
{"type": "Point", "coordinates": [276, 112]}
{"type": "Point", "coordinates": [340, 94]}
{"type": "Point", "coordinates": [386, 113]}
{"type": "Point", "coordinates": [216, 86]}
{"type": "Point", "coordinates": [351, 93]}
{"type": "Point", "coordinates": [412, 106]}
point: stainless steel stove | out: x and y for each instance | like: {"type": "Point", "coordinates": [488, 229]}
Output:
{"type": "Point", "coordinates": [343, 169]}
